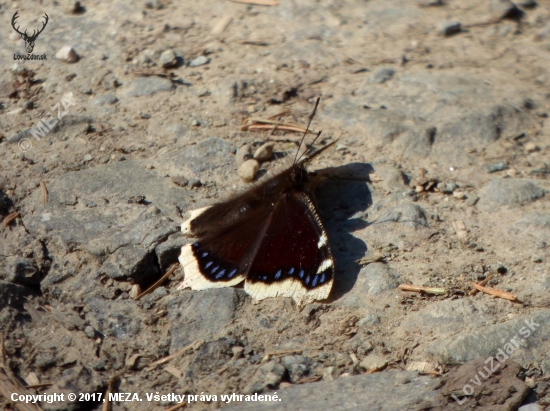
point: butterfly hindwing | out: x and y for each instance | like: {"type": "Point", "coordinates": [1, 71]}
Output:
{"type": "Point", "coordinates": [294, 258]}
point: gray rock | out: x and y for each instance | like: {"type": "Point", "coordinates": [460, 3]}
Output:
{"type": "Point", "coordinates": [130, 263]}
{"type": "Point", "coordinates": [369, 320]}
{"type": "Point", "coordinates": [199, 61]}
{"type": "Point", "coordinates": [168, 251]}
{"type": "Point", "coordinates": [168, 59]}
{"type": "Point", "coordinates": [23, 271]}
{"type": "Point", "coordinates": [500, 9]}
{"type": "Point", "coordinates": [118, 319]}
{"type": "Point", "coordinates": [74, 380]}
{"type": "Point", "coordinates": [211, 357]}
{"type": "Point", "coordinates": [537, 223]}
{"type": "Point", "coordinates": [147, 86]}
{"type": "Point", "coordinates": [105, 99]}
{"type": "Point", "coordinates": [512, 192]}
{"type": "Point", "coordinates": [90, 332]}
{"type": "Point", "coordinates": [268, 375]}
{"type": "Point", "coordinates": [381, 75]}
{"type": "Point", "coordinates": [210, 158]}
{"type": "Point", "coordinates": [443, 317]}
{"type": "Point", "coordinates": [387, 391]}
{"type": "Point", "coordinates": [202, 314]}
{"type": "Point", "coordinates": [447, 188]}
{"type": "Point", "coordinates": [448, 28]}
{"type": "Point", "coordinates": [392, 177]}
{"type": "Point", "coordinates": [410, 215]}
{"type": "Point", "coordinates": [493, 168]}
{"type": "Point", "coordinates": [298, 367]}
{"type": "Point", "coordinates": [531, 341]}
{"type": "Point", "coordinates": [376, 278]}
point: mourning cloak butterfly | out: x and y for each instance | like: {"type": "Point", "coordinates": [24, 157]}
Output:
{"type": "Point", "coordinates": [270, 237]}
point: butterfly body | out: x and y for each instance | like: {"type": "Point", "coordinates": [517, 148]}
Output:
{"type": "Point", "coordinates": [270, 236]}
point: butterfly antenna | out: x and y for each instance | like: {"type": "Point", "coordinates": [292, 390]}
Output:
{"type": "Point", "coordinates": [307, 129]}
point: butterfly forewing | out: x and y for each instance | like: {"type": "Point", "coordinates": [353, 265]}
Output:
{"type": "Point", "coordinates": [223, 252]}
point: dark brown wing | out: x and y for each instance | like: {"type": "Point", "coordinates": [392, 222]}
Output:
{"type": "Point", "coordinates": [294, 257]}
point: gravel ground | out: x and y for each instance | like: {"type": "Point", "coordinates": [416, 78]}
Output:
{"type": "Point", "coordinates": [439, 179]}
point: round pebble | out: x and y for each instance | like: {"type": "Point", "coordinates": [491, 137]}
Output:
{"type": "Point", "coordinates": [87, 157]}
{"type": "Point", "coordinates": [460, 195]}
{"type": "Point", "coordinates": [248, 170]}
{"type": "Point", "coordinates": [531, 147]}
{"type": "Point", "coordinates": [67, 54]}
{"type": "Point", "coordinates": [199, 61]}
{"type": "Point", "coordinates": [244, 153]}
{"type": "Point", "coordinates": [264, 153]}
{"type": "Point", "coordinates": [168, 59]}
{"type": "Point", "coordinates": [89, 331]}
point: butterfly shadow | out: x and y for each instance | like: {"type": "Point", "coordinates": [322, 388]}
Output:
{"type": "Point", "coordinates": [342, 195]}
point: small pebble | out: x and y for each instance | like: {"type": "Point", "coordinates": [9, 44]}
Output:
{"type": "Point", "coordinates": [87, 158]}
{"type": "Point", "coordinates": [459, 194]}
{"type": "Point", "coordinates": [536, 259]}
{"type": "Point", "coordinates": [149, 166]}
{"type": "Point", "coordinates": [180, 181]}
{"type": "Point", "coordinates": [448, 28]}
{"type": "Point", "coordinates": [195, 183]}
{"type": "Point", "coordinates": [135, 291]}
{"type": "Point", "coordinates": [145, 116]}
{"type": "Point", "coordinates": [72, 7]}
{"type": "Point", "coordinates": [373, 361]}
{"type": "Point", "coordinates": [168, 59]}
{"type": "Point", "coordinates": [472, 201]}
{"type": "Point", "coordinates": [264, 153]}
{"type": "Point", "coordinates": [199, 61]}
{"type": "Point", "coordinates": [248, 170]}
{"type": "Point", "coordinates": [511, 172]}
{"type": "Point", "coordinates": [89, 331]}
{"type": "Point", "coordinates": [244, 153]}
{"type": "Point", "coordinates": [500, 9]}
{"type": "Point", "coordinates": [493, 168]}
{"type": "Point", "coordinates": [67, 54]}
{"type": "Point", "coordinates": [497, 269]}
{"type": "Point", "coordinates": [447, 188]}
{"type": "Point", "coordinates": [531, 147]}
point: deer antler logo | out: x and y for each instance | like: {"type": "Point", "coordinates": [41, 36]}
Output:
{"type": "Point", "coordinates": [29, 40]}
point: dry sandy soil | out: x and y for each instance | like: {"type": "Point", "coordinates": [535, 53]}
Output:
{"type": "Point", "coordinates": [439, 179]}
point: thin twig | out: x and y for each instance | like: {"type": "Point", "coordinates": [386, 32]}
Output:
{"type": "Point", "coordinates": [177, 406]}
{"type": "Point", "coordinates": [421, 289]}
{"type": "Point", "coordinates": [112, 382]}
{"type": "Point", "coordinates": [160, 281]}
{"type": "Point", "coordinates": [44, 193]}
{"type": "Point", "coordinates": [473, 291]}
{"type": "Point", "coordinates": [11, 217]}
{"type": "Point", "coordinates": [269, 126]}
{"type": "Point", "coordinates": [496, 292]}
{"type": "Point", "coordinates": [194, 345]}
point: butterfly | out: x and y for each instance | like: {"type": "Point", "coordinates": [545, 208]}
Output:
{"type": "Point", "coordinates": [270, 236]}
